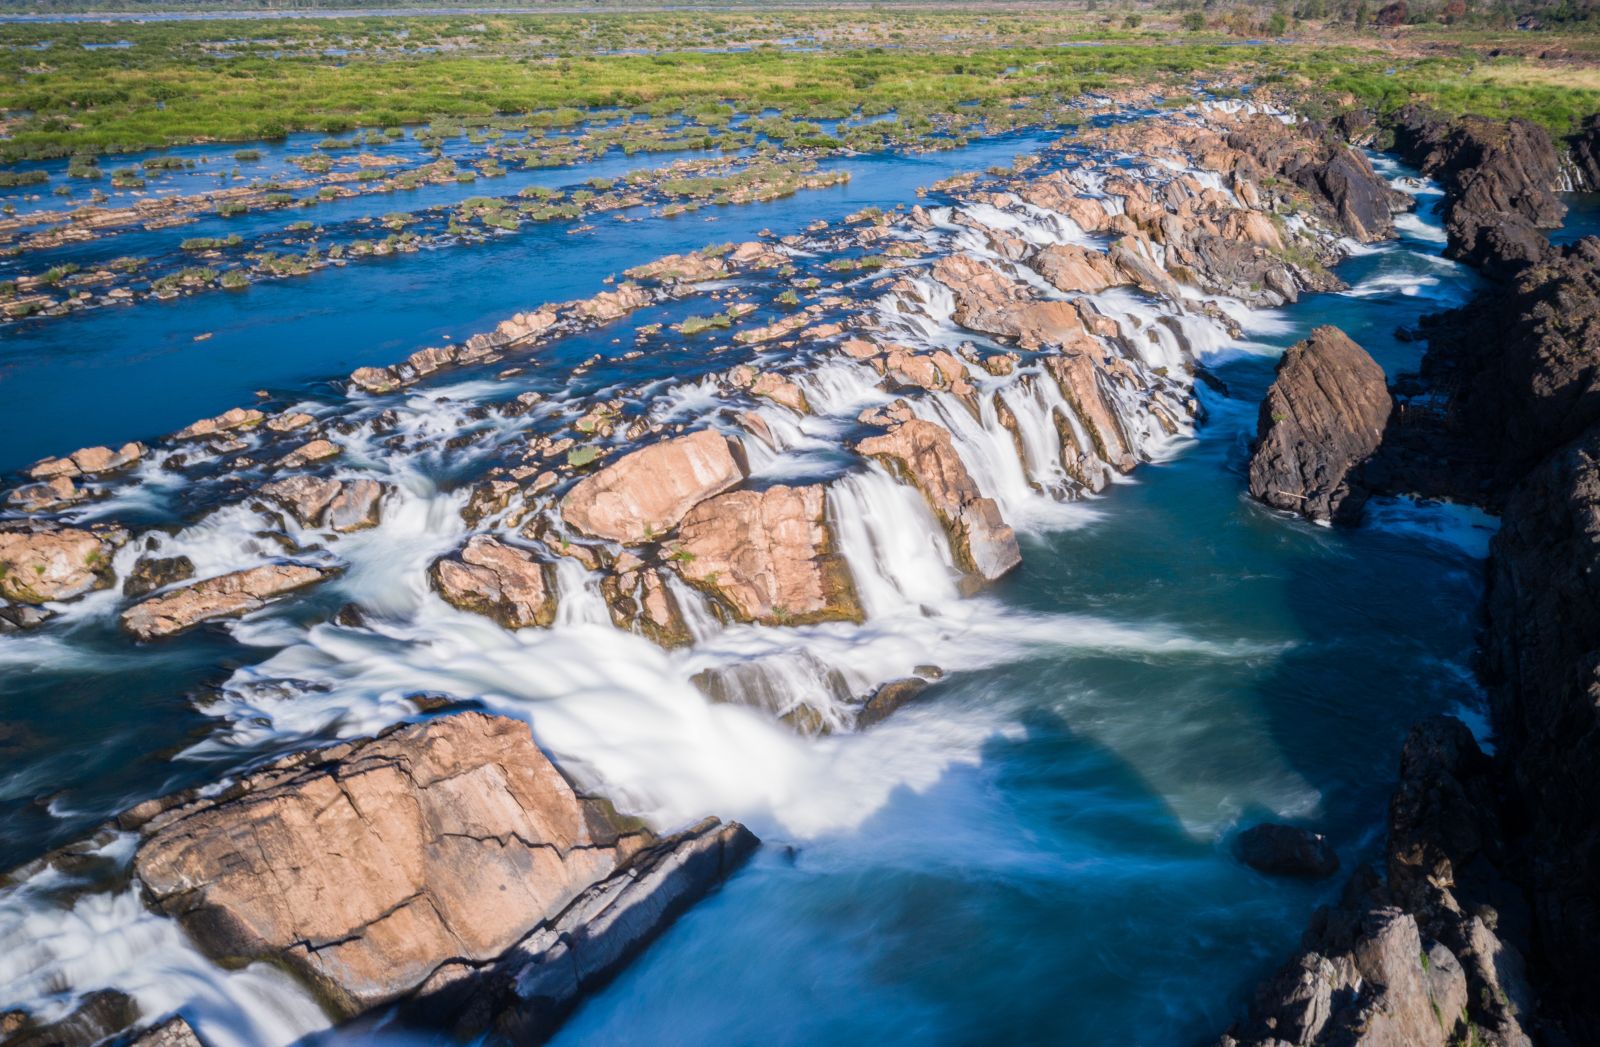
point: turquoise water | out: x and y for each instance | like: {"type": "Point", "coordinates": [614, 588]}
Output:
{"type": "Point", "coordinates": [1036, 852]}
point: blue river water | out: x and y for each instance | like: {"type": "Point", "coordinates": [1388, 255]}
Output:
{"type": "Point", "coordinates": [1057, 869]}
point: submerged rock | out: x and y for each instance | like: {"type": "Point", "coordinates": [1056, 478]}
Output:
{"type": "Point", "coordinates": [983, 543]}
{"type": "Point", "coordinates": [1323, 417]}
{"type": "Point", "coordinates": [498, 581]}
{"type": "Point", "coordinates": [40, 565]}
{"type": "Point", "coordinates": [174, 1032]}
{"type": "Point", "coordinates": [414, 861]}
{"type": "Point", "coordinates": [642, 495]}
{"type": "Point", "coordinates": [97, 1016]}
{"type": "Point", "coordinates": [226, 596]}
{"type": "Point", "coordinates": [768, 556]}
{"type": "Point", "coordinates": [1286, 850]}
{"type": "Point", "coordinates": [152, 572]}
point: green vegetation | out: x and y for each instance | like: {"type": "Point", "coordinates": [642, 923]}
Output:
{"type": "Point", "coordinates": [242, 80]}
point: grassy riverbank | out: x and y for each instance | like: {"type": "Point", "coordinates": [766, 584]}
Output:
{"type": "Point", "coordinates": [104, 87]}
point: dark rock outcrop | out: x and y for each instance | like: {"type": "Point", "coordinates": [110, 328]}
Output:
{"type": "Point", "coordinates": [97, 1016]}
{"type": "Point", "coordinates": [1429, 957]}
{"type": "Point", "coordinates": [157, 572]}
{"type": "Point", "coordinates": [1500, 180]}
{"type": "Point", "coordinates": [1286, 850]}
{"type": "Point", "coordinates": [1322, 418]}
{"type": "Point", "coordinates": [1542, 662]}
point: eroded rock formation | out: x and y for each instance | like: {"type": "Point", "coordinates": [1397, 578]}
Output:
{"type": "Point", "coordinates": [643, 495]}
{"type": "Point", "coordinates": [1322, 418]}
{"type": "Point", "coordinates": [414, 861]}
{"type": "Point", "coordinates": [226, 596]}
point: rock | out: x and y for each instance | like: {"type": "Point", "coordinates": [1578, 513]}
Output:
{"type": "Point", "coordinates": [1518, 370]}
{"type": "Point", "coordinates": [989, 301]}
{"type": "Point", "coordinates": [498, 581]}
{"type": "Point", "coordinates": [695, 267]}
{"type": "Point", "coordinates": [643, 495]}
{"type": "Point", "coordinates": [1286, 850]}
{"type": "Point", "coordinates": [174, 1032]}
{"type": "Point", "coordinates": [1540, 656]}
{"type": "Point", "coordinates": [922, 452]}
{"type": "Point", "coordinates": [226, 596]}
{"type": "Point", "coordinates": [20, 618]}
{"type": "Point", "coordinates": [526, 993]}
{"type": "Point", "coordinates": [377, 380]}
{"type": "Point", "coordinates": [306, 497]}
{"type": "Point", "coordinates": [287, 422]}
{"type": "Point", "coordinates": [1072, 268]}
{"type": "Point", "coordinates": [768, 556]}
{"type": "Point", "coordinates": [782, 391]}
{"type": "Point", "coordinates": [420, 857]}
{"type": "Point", "coordinates": [152, 572]}
{"type": "Point", "coordinates": [356, 507]}
{"type": "Point", "coordinates": [1365, 979]}
{"type": "Point", "coordinates": [640, 601]}
{"type": "Point", "coordinates": [1134, 259]}
{"type": "Point", "coordinates": [888, 698]}
{"type": "Point", "coordinates": [1322, 418]}
{"type": "Point", "coordinates": [232, 419]}
{"type": "Point", "coordinates": [610, 305]}
{"type": "Point", "coordinates": [98, 1016]}
{"type": "Point", "coordinates": [56, 493]}
{"type": "Point", "coordinates": [1078, 374]}
{"type": "Point", "coordinates": [1500, 179]}
{"type": "Point", "coordinates": [41, 565]}
{"type": "Point", "coordinates": [94, 460]}
{"type": "Point", "coordinates": [315, 451]}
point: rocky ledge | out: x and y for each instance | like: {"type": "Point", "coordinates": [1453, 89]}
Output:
{"type": "Point", "coordinates": [448, 864]}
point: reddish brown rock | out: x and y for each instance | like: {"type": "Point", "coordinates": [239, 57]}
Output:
{"type": "Point", "coordinates": [767, 556]}
{"type": "Point", "coordinates": [366, 867]}
{"type": "Point", "coordinates": [356, 507]}
{"type": "Point", "coordinates": [306, 497]}
{"type": "Point", "coordinates": [41, 565]}
{"type": "Point", "coordinates": [226, 596]}
{"type": "Point", "coordinates": [643, 495]}
{"type": "Point", "coordinates": [989, 301]}
{"type": "Point", "coordinates": [498, 581]}
{"type": "Point", "coordinates": [922, 452]}
{"type": "Point", "coordinates": [1072, 268]}
{"type": "Point", "coordinates": [231, 419]}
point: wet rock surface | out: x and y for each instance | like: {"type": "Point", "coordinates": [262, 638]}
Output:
{"type": "Point", "coordinates": [226, 596]}
{"type": "Point", "coordinates": [1286, 850]}
{"type": "Point", "coordinates": [768, 555]}
{"type": "Point", "coordinates": [983, 543]}
{"type": "Point", "coordinates": [1323, 416]}
{"type": "Point", "coordinates": [499, 581]}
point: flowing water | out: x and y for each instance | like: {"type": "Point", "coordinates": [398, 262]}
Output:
{"type": "Point", "coordinates": [1035, 851]}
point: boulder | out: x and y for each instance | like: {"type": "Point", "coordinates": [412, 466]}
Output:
{"type": "Point", "coordinates": [989, 301]}
{"type": "Point", "coordinates": [226, 596]}
{"type": "Point", "coordinates": [411, 863]}
{"type": "Point", "coordinates": [768, 556]}
{"type": "Point", "coordinates": [1323, 416]}
{"type": "Point", "coordinates": [642, 495]}
{"type": "Point", "coordinates": [318, 450]}
{"type": "Point", "coordinates": [306, 497]}
{"type": "Point", "coordinates": [232, 419]}
{"type": "Point", "coordinates": [1075, 269]}
{"type": "Point", "coordinates": [356, 507]}
{"type": "Point", "coordinates": [174, 1032]}
{"type": "Point", "coordinates": [498, 581]}
{"type": "Point", "coordinates": [924, 454]}
{"type": "Point", "coordinates": [887, 698]}
{"type": "Point", "coordinates": [39, 565]}
{"type": "Point", "coordinates": [97, 1016]}
{"type": "Point", "coordinates": [1286, 850]}
{"type": "Point", "coordinates": [156, 572]}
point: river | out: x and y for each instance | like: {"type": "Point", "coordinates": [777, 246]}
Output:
{"type": "Point", "coordinates": [1035, 852]}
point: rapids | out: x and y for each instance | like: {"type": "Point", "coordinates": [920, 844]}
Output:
{"type": "Point", "coordinates": [1037, 848]}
